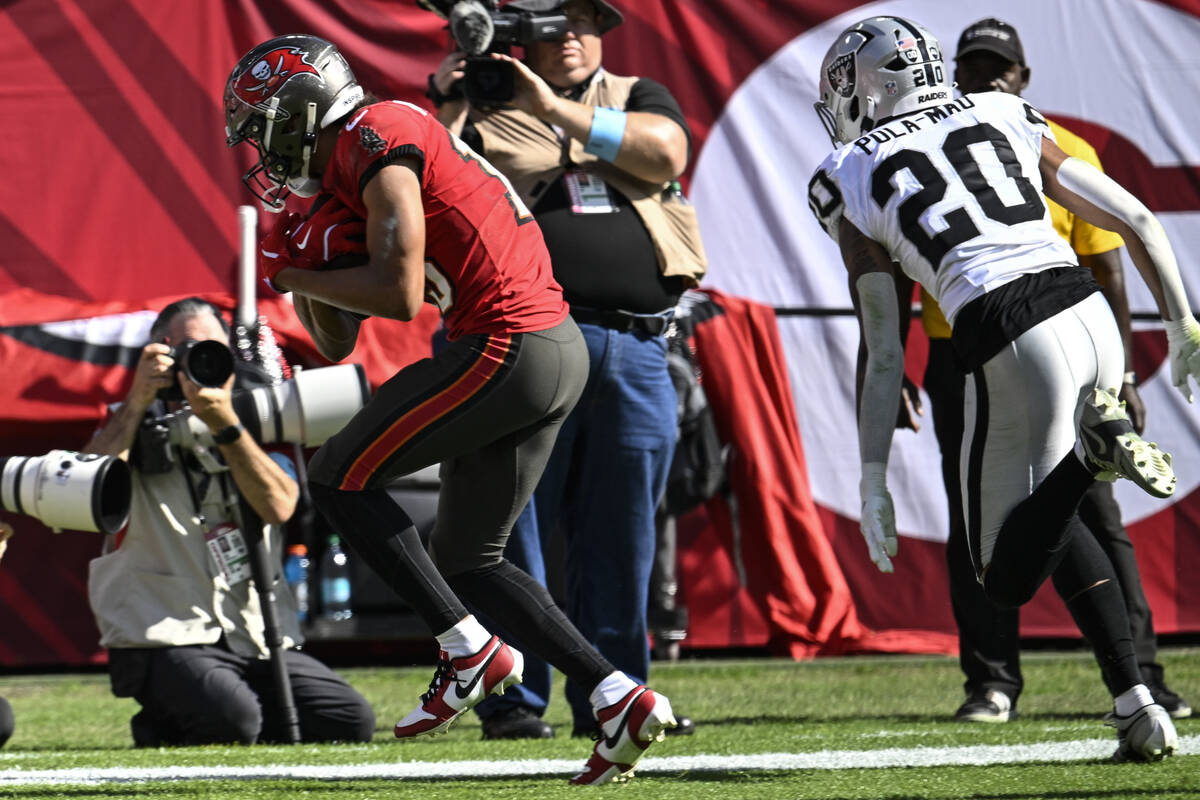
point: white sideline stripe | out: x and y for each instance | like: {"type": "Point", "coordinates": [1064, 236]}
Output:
{"type": "Point", "coordinates": [1086, 750]}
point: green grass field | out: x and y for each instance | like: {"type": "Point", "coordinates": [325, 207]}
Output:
{"type": "Point", "coordinates": [867, 727]}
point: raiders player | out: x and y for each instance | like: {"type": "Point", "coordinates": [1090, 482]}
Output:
{"type": "Point", "coordinates": [442, 226]}
{"type": "Point", "coordinates": [951, 190]}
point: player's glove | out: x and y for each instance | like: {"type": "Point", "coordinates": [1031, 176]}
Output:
{"type": "Point", "coordinates": [1183, 347]}
{"type": "Point", "coordinates": [332, 230]}
{"type": "Point", "coordinates": [878, 523]}
{"type": "Point", "coordinates": [273, 255]}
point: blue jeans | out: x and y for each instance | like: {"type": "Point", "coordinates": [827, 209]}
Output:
{"type": "Point", "coordinates": [600, 490]}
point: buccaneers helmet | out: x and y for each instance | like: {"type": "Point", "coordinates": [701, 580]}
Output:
{"type": "Point", "coordinates": [879, 68]}
{"type": "Point", "coordinates": [278, 98]}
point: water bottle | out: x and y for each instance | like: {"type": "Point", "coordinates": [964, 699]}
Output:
{"type": "Point", "coordinates": [295, 572]}
{"type": "Point", "coordinates": [335, 582]}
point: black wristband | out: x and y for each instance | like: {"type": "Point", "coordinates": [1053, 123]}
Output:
{"type": "Point", "coordinates": [437, 98]}
{"type": "Point", "coordinates": [229, 435]}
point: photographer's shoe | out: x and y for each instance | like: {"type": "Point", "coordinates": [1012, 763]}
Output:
{"type": "Point", "coordinates": [460, 683]}
{"type": "Point", "coordinates": [627, 728]}
{"type": "Point", "coordinates": [1113, 449]}
{"type": "Point", "coordinates": [1145, 735]}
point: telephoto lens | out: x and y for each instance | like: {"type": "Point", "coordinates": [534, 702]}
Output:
{"type": "Point", "coordinates": [66, 490]}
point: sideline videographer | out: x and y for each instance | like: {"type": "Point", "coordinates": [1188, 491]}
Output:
{"type": "Point", "coordinates": [595, 156]}
{"type": "Point", "coordinates": [173, 596]}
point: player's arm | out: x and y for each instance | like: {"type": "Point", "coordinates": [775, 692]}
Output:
{"type": "Point", "coordinates": [1090, 194]}
{"type": "Point", "coordinates": [877, 385]}
{"type": "Point", "coordinates": [392, 283]}
{"type": "Point", "coordinates": [333, 330]}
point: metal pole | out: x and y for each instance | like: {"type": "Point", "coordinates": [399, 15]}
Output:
{"type": "Point", "coordinates": [251, 525]}
{"type": "Point", "coordinates": [253, 529]}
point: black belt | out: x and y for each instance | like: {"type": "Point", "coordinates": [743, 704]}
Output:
{"type": "Point", "coordinates": [624, 321]}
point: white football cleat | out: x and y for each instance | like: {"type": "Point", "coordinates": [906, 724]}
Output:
{"type": "Point", "coordinates": [1145, 735]}
{"type": "Point", "coordinates": [627, 728]}
{"type": "Point", "coordinates": [459, 684]}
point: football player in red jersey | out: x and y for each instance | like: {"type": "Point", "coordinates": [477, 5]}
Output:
{"type": "Point", "coordinates": [442, 226]}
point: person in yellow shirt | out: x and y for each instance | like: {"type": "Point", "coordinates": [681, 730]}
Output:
{"type": "Point", "coordinates": [990, 57]}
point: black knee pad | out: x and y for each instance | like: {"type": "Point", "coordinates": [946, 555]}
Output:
{"type": "Point", "coordinates": [1007, 593]}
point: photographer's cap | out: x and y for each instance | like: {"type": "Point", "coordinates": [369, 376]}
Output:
{"type": "Point", "coordinates": [994, 36]}
{"type": "Point", "coordinates": [607, 17]}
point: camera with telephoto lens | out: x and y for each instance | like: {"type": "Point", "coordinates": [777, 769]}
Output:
{"type": "Point", "coordinates": [66, 490]}
{"type": "Point", "coordinates": [207, 362]}
{"type": "Point", "coordinates": [306, 410]}
{"type": "Point", "coordinates": [480, 29]}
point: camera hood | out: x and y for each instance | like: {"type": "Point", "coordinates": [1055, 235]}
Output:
{"type": "Point", "coordinates": [607, 17]}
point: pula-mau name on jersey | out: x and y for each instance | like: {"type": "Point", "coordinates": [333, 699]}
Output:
{"type": "Point", "coordinates": [912, 123]}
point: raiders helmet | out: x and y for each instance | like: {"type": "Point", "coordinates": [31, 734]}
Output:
{"type": "Point", "coordinates": [879, 68]}
{"type": "Point", "coordinates": [278, 98]}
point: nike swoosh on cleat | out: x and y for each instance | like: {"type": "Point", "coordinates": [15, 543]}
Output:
{"type": "Point", "coordinates": [612, 741]}
{"type": "Point", "coordinates": [470, 687]}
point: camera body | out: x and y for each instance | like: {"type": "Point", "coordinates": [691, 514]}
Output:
{"type": "Point", "coordinates": [480, 29]}
{"type": "Point", "coordinates": [206, 362]}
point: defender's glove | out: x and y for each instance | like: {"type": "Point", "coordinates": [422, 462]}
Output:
{"type": "Point", "coordinates": [331, 231]}
{"type": "Point", "coordinates": [1183, 347]}
{"type": "Point", "coordinates": [878, 523]}
{"type": "Point", "coordinates": [273, 253]}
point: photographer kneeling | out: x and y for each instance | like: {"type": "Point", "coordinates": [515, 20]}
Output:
{"type": "Point", "coordinates": [173, 596]}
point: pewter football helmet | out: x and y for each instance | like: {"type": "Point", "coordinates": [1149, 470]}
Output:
{"type": "Point", "coordinates": [879, 68]}
{"type": "Point", "coordinates": [278, 98]}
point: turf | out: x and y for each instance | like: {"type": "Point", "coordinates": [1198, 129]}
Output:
{"type": "Point", "coordinates": [741, 707]}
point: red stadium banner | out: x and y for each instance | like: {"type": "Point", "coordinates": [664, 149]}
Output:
{"type": "Point", "coordinates": [120, 195]}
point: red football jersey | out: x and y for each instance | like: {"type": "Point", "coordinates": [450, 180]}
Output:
{"type": "Point", "coordinates": [486, 265]}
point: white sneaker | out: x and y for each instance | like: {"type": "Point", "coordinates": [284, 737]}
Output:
{"type": "Point", "coordinates": [627, 728]}
{"type": "Point", "coordinates": [1145, 735]}
{"type": "Point", "coordinates": [1114, 449]}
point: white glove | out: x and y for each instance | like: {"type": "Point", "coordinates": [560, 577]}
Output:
{"type": "Point", "coordinates": [1183, 347]}
{"type": "Point", "coordinates": [878, 522]}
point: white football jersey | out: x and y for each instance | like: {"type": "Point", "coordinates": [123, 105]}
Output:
{"type": "Point", "coordinates": [952, 192]}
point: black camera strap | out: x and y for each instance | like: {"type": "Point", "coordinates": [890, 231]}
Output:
{"type": "Point", "coordinates": [199, 490]}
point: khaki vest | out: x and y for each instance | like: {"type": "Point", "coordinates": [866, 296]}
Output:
{"type": "Point", "coordinates": [532, 157]}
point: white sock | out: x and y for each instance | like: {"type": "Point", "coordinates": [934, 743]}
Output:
{"type": "Point", "coordinates": [466, 638]}
{"type": "Point", "coordinates": [1131, 700]}
{"type": "Point", "coordinates": [611, 690]}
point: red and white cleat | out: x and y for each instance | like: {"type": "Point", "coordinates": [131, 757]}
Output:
{"type": "Point", "coordinates": [627, 728]}
{"type": "Point", "coordinates": [459, 684]}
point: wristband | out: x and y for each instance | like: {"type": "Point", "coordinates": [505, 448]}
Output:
{"type": "Point", "coordinates": [229, 435]}
{"type": "Point", "coordinates": [607, 131]}
{"type": "Point", "coordinates": [1131, 378]}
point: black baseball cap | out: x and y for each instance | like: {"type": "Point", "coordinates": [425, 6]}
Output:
{"type": "Point", "coordinates": [995, 36]}
{"type": "Point", "coordinates": [607, 16]}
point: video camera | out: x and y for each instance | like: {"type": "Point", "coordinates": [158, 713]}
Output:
{"type": "Point", "coordinates": [305, 410]}
{"type": "Point", "coordinates": [65, 490]}
{"type": "Point", "coordinates": [480, 29]}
